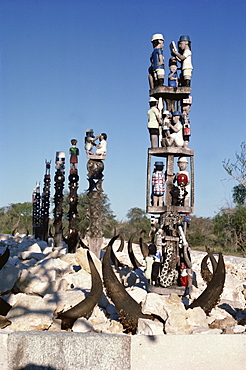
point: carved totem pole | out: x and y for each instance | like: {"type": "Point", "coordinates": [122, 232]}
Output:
{"type": "Point", "coordinates": [45, 203]}
{"type": "Point", "coordinates": [170, 167]}
{"type": "Point", "coordinates": [73, 237]}
{"type": "Point", "coordinates": [58, 197]}
{"type": "Point", "coordinates": [95, 167]}
{"type": "Point", "coordinates": [36, 211]}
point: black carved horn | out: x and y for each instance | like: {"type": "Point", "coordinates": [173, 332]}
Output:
{"type": "Point", "coordinates": [83, 308]}
{"type": "Point", "coordinates": [144, 247]}
{"type": "Point", "coordinates": [128, 309]}
{"type": "Point", "coordinates": [133, 259]}
{"type": "Point", "coordinates": [4, 257]}
{"type": "Point", "coordinates": [210, 297]}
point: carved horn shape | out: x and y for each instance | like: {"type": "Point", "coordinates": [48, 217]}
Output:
{"type": "Point", "coordinates": [205, 272]}
{"type": "Point", "coordinates": [4, 306]}
{"type": "Point", "coordinates": [4, 257]}
{"type": "Point", "coordinates": [113, 257]}
{"type": "Point", "coordinates": [83, 308]}
{"type": "Point", "coordinates": [210, 297]}
{"type": "Point", "coordinates": [128, 309]}
{"type": "Point", "coordinates": [212, 259]}
{"type": "Point", "coordinates": [122, 243]}
{"type": "Point", "coordinates": [133, 259]}
{"type": "Point", "coordinates": [144, 247]}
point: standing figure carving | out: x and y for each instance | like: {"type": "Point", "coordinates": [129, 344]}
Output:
{"type": "Point", "coordinates": [156, 70]}
{"type": "Point", "coordinates": [154, 122]}
{"type": "Point", "coordinates": [184, 56]}
{"type": "Point", "coordinates": [158, 185]}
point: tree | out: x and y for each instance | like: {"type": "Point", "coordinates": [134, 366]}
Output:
{"type": "Point", "coordinates": [108, 222]}
{"type": "Point", "coordinates": [16, 216]}
{"type": "Point", "coordinates": [237, 170]}
{"type": "Point", "coordinates": [138, 220]}
{"type": "Point", "coordinates": [200, 232]}
{"type": "Point", "coordinates": [239, 194]}
{"type": "Point", "coordinates": [230, 228]}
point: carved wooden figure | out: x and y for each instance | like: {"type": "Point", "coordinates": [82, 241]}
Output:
{"type": "Point", "coordinates": [176, 128]}
{"type": "Point", "coordinates": [183, 181]}
{"type": "Point", "coordinates": [186, 106]}
{"type": "Point", "coordinates": [173, 75]}
{"type": "Point", "coordinates": [156, 70]}
{"type": "Point", "coordinates": [158, 185]}
{"type": "Point", "coordinates": [154, 122]}
{"type": "Point", "coordinates": [184, 56]}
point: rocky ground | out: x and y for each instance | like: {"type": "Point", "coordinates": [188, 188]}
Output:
{"type": "Point", "coordinates": [38, 282]}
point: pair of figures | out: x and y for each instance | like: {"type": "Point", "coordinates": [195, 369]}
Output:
{"type": "Point", "coordinates": [157, 68]}
{"type": "Point", "coordinates": [90, 143]}
{"type": "Point", "coordinates": [180, 193]}
{"type": "Point", "coordinates": [172, 129]}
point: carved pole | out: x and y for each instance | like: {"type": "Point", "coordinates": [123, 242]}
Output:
{"type": "Point", "coordinates": [168, 117]}
{"type": "Point", "coordinates": [36, 211]}
{"type": "Point", "coordinates": [72, 239]}
{"type": "Point", "coordinates": [46, 203]}
{"type": "Point", "coordinates": [95, 167]}
{"type": "Point", "coordinates": [58, 198]}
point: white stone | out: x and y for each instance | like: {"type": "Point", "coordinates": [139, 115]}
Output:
{"type": "Point", "coordinates": [80, 280]}
{"type": "Point", "coordinates": [29, 255]}
{"type": "Point", "coordinates": [82, 325]}
{"type": "Point", "coordinates": [239, 329]}
{"type": "Point", "coordinates": [82, 260]}
{"type": "Point", "coordinates": [97, 316]}
{"type": "Point", "coordinates": [204, 331]}
{"type": "Point", "coordinates": [66, 300]}
{"type": "Point", "coordinates": [137, 293]}
{"type": "Point", "coordinates": [217, 313]}
{"type": "Point", "coordinates": [176, 322]}
{"type": "Point", "coordinates": [154, 304]}
{"type": "Point", "coordinates": [8, 277]}
{"type": "Point", "coordinates": [233, 290]}
{"type": "Point", "coordinates": [149, 327]}
{"type": "Point", "coordinates": [31, 313]}
{"type": "Point", "coordinates": [115, 327]}
{"type": "Point", "coordinates": [196, 317]}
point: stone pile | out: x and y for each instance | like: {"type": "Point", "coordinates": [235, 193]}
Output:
{"type": "Point", "coordinates": [38, 282]}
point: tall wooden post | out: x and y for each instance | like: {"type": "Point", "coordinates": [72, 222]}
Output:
{"type": "Point", "coordinates": [46, 203]}
{"type": "Point", "coordinates": [73, 237]}
{"type": "Point", "coordinates": [58, 198]}
{"type": "Point", "coordinates": [171, 105]}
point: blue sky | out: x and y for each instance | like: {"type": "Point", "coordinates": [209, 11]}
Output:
{"type": "Point", "coordinates": [66, 66]}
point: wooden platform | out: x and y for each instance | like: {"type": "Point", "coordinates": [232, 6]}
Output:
{"type": "Point", "coordinates": [96, 157]}
{"type": "Point", "coordinates": [175, 151]}
{"type": "Point", "coordinates": [173, 93]}
{"type": "Point", "coordinates": [179, 290]}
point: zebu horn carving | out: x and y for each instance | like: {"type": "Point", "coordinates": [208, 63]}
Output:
{"type": "Point", "coordinates": [144, 247]}
{"type": "Point", "coordinates": [122, 243]}
{"type": "Point", "coordinates": [205, 272]}
{"type": "Point", "coordinates": [4, 257]}
{"type": "Point", "coordinates": [83, 308]}
{"type": "Point", "coordinates": [210, 297]}
{"type": "Point", "coordinates": [133, 259]}
{"type": "Point", "coordinates": [128, 309]}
